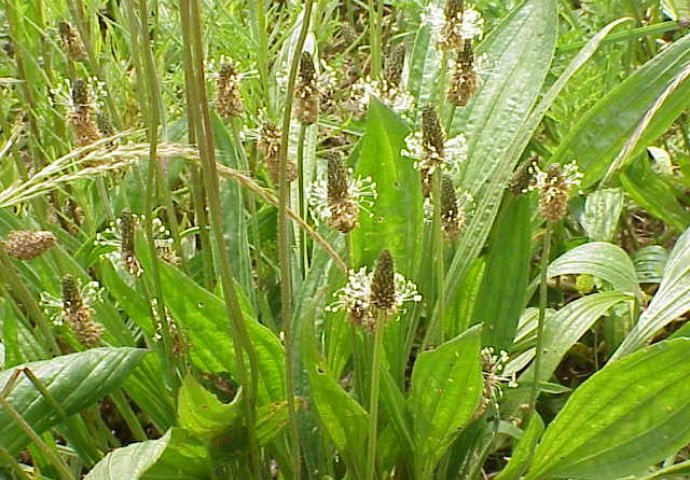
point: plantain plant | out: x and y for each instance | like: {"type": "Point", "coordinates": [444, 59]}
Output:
{"type": "Point", "coordinates": [315, 239]}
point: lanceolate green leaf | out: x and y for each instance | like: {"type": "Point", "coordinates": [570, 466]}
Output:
{"type": "Point", "coordinates": [600, 259]}
{"type": "Point", "coordinates": [600, 135]}
{"type": "Point", "coordinates": [75, 381]}
{"type": "Point", "coordinates": [446, 389]}
{"type": "Point", "coordinates": [519, 70]}
{"type": "Point", "coordinates": [670, 302]}
{"type": "Point", "coordinates": [523, 451]}
{"type": "Point", "coordinates": [602, 212]}
{"type": "Point", "coordinates": [496, 118]}
{"type": "Point", "coordinates": [506, 274]}
{"type": "Point", "coordinates": [130, 462]}
{"type": "Point", "coordinates": [396, 219]}
{"type": "Point", "coordinates": [628, 416]}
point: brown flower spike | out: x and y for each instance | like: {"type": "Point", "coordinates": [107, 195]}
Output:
{"type": "Point", "coordinates": [307, 91]}
{"type": "Point", "coordinates": [344, 211]}
{"type": "Point", "coordinates": [25, 245]}
{"type": "Point", "coordinates": [78, 315]}
{"type": "Point", "coordinates": [269, 146]}
{"type": "Point", "coordinates": [464, 80]}
{"type": "Point", "coordinates": [83, 114]}
{"type": "Point", "coordinates": [228, 100]}
{"type": "Point", "coordinates": [383, 284]}
{"type": "Point", "coordinates": [74, 47]}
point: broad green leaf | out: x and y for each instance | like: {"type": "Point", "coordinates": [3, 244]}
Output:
{"type": "Point", "coordinates": [396, 218]}
{"type": "Point", "coordinates": [185, 458]}
{"type": "Point", "coordinates": [630, 415]}
{"type": "Point", "coordinates": [496, 122]}
{"type": "Point", "coordinates": [203, 321]}
{"type": "Point", "coordinates": [602, 210]}
{"type": "Point", "coordinates": [75, 381]}
{"type": "Point", "coordinates": [671, 300]}
{"type": "Point", "coordinates": [599, 259]}
{"type": "Point", "coordinates": [506, 274]}
{"type": "Point", "coordinates": [650, 263]}
{"type": "Point", "coordinates": [425, 61]}
{"type": "Point", "coordinates": [650, 192]}
{"type": "Point", "coordinates": [201, 413]}
{"type": "Point", "coordinates": [522, 453]}
{"type": "Point", "coordinates": [561, 331]}
{"type": "Point", "coordinates": [343, 419]}
{"type": "Point", "coordinates": [602, 132]}
{"type": "Point", "coordinates": [130, 462]}
{"type": "Point", "coordinates": [445, 392]}
{"type": "Point", "coordinates": [208, 419]}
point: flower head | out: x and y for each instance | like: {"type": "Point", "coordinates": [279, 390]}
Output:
{"type": "Point", "coordinates": [71, 41]}
{"type": "Point", "coordinates": [75, 309]}
{"type": "Point", "coordinates": [454, 24]}
{"type": "Point", "coordinates": [26, 244]}
{"type": "Point", "coordinates": [464, 79]}
{"type": "Point", "coordinates": [492, 367]}
{"type": "Point", "coordinates": [268, 143]}
{"type": "Point", "coordinates": [391, 95]}
{"type": "Point", "coordinates": [367, 293]}
{"type": "Point", "coordinates": [228, 99]}
{"type": "Point", "coordinates": [554, 186]}
{"type": "Point", "coordinates": [307, 91]}
{"type": "Point", "coordinates": [338, 199]}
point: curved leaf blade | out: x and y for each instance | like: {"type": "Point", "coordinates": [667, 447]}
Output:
{"type": "Point", "coordinates": [75, 381]}
{"type": "Point", "coordinates": [600, 259]}
{"type": "Point", "coordinates": [130, 462]}
{"type": "Point", "coordinates": [672, 299]}
{"type": "Point", "coordinates": [628, 416]}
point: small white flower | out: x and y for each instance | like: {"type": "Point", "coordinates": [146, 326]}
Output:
{"type": "Point", "coordinates": [471, 25]}
{"type": "Point", "coordinates": [455, 152]}
{"type": "Point", "coordinates": [544, 182]}
{"type": "Point", "coordinates": [54, 307]}
{"type": "Point", "coordinates": [355, 297]}
{"type": "Point", "coordinates": [467, 25]}
{"type": "Point", "coordinates": [395, 98]}
{"type": "Point", "coordinates": [362, 191]}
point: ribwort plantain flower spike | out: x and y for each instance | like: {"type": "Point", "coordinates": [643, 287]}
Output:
{"type": "Point", "coordinates": [71, 42]}
{"type": "Point", "coordinates": [367, 293]}
{"type": "Point", "coordinates": [554, 186]}
{"type": "Point", "coordinates": [338, 200]}
{"type": "Point", "coordinates": [26, 244]}
{"type": "Point", "coordinates": [307, 91]}
{"type": "Point", "coordinates": [268, 144]}
{"type": "Point", "coordinates": [395, 62]}
{"type": "Point", "coordinates": [78, 314]}
{"type": "Point", "coordinates": [82, 115]}
{"type": "Point", "coordinates": [464, 80]}
{"type": "Point", "coordinates": [228, 99]}
{"type": "Point", "coordinates": [453, 25]}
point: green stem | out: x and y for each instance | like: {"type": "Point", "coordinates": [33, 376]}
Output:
{"type": "Point", "coordinates": [82, 445]}
{"type": "Point", "coordinates": [56, 462]}
{"type": "Point", "coordinates": [259, 17]}
{"type": "Point", "coordinates": [154, 176]}
{"type": "Point", "coordinates": [284, 241]}
{"type": "Point", "coordinates": [7, 459]}
{"type": "Point", "coordinates": [304, 261]}
{"type": "Point", "coordinates": [376, 365]}
{"type": "Point", "coordinates": [434, 333]}
{"type": "Point", "coordinates": [375, 23]}
{"type": "Point", "coordinates": [248, 378]}
{"type": "Point", "coordinates": [24, 296]}
{"type": "Point", "coordinates": [543, 290]}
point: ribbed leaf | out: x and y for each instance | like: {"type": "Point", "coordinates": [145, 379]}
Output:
{"type": "Point", "coordinates": [497, 117]}
{"type": "Point", "coordinates": [396, 218]}
{"type": "Point", "coordinates": [130, 462]}
{"type": "Point", "coordinates": [670, 302]}
{"type": "Point", "coordinates": [446, 389]}
{"type": "Point", "coordinates": [628, 416]}
{"type": "Point", "coordinates": [604, 260]}
{"type": "Point", "coordinates": [602, 211]}
{"type": "Point", "coordinates": [523, 451]}
{"type": "Point", "coordinates": [506, 274]}
{"type": "Point", "coordinates": [75, 381]}
{"type": "Point", "coordinates": [650, 263]}
{"type": "Point", "coordinates": [600, 134]}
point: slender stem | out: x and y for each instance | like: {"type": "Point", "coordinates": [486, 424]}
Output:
{"type": "Point", "coordinates": [153, 176]}
{"type": "Point", "coordinates": [543, 277]}
{"type": "Point", "coordinates": [259, 14]}
{"type": "Point", "coordinates": [304, 262]}
{"type": "Point", "coordinates": [375, 23]}
{"type": "Point", "coordinates": [376, 365]}
{"type": "Point", "coordinates": [7, 459]}
{"type": "Point", "coordinates": [24, 296]}
{"type": "Point", "coordinates": [55, 460]}
{"type": "Point", "coordinates": [284, 241]}
{"type": "Point", "coordinates": [248, 378]}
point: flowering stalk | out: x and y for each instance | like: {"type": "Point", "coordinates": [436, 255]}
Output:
{"type": "Point", "coordinates": [543, 290]}
{"type": "Point", "coordinates": [284, 245]}
{"type": "Point", "coordinates": [375, 23]}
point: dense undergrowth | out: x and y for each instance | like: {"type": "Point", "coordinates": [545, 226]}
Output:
{"type": "Point", "coordinates": [344, 239]}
